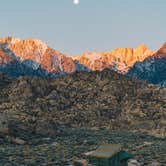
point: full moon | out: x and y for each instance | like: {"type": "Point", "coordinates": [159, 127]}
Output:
{"type": "Point", "coordinates": [76, 2]}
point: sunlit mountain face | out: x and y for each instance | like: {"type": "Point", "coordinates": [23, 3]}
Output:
{"type": "Point", "coordinates": [120, 59]}
{"type": "Point", "coordinates": [34, 57]}
{"type": "Point", "coordinates": [152, 69]}
{"type": "Point", "coordinates": [34, 54]}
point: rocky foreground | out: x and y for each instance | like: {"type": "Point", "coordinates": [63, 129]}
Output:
{"type": "Point", "coordinates": [62, 150]}
{"type": "Point", "coordinates": [53, 121]}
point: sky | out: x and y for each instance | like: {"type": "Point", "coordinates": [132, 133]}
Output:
{"type": "Point", "coordinates": [91, 25]}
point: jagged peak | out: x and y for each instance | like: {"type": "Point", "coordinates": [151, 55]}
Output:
{"type": "Point", "coordinates": [33, 42]}
{"type": "Point", "coordinates": [122, 48]}
{"type": "Point", "coordinates": [162, 50]}
{"type": "Point", "coordinates": [164, 45]}
{"type": "Point", "coordinates": [143, 47]}
{"type": "Point", "coordinates": [143, 50]}
{"type": "Point", "coordinates": [9, 40]}
{"type": "Point", "coordinates": [28, 49]}
{"type": "Point", "coordinates": [13, 40]}
{"type": "Point", "coordinates": [140, 47]}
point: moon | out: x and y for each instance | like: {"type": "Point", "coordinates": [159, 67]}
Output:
{"type": "Point", "coordinates": [76, 2]}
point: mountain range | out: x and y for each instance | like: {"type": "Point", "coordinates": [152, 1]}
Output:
{"type": "Point", "coordinates": [54, 107]}
{"type": "Point", "coordinates": [33, 57]}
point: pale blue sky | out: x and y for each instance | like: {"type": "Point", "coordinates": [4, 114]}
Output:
{"type": "Point", "coordinates": [93, 25]}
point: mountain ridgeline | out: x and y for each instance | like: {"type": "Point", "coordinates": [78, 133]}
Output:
{"type": "Point", "coordinates": [32, 57]}
{"type": "Point", "coordinates": [152, 69]}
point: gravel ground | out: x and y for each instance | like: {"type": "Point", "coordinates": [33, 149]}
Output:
{"type": "Point", "coordinates": [61, 150]}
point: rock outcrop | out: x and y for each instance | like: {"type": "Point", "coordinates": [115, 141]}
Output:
{"type": "Point", "coordinates": [86, 99]}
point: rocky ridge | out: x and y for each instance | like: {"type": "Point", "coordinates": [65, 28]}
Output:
{"type": "Point", "coordinates": [32, 57]}
{"type": "Point", "coordinates": [152, 69]}
{"type": "Point", "coordinates": [93, 100]}
{"type": "Point", "coordinates": [120, 59]}
{"type": "Point", "coordinates": [38, 54]}
{"type": "Point", "coordinates": [34, 54]}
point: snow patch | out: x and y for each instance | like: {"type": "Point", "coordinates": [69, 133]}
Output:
{"type": "Point", "coordinates": [92, 56]}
